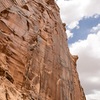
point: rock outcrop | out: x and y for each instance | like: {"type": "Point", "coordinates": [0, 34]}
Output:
{"type": "Point", "coordinates": [35, 63]}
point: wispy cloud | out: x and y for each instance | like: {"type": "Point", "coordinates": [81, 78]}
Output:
{"type": "Point", "coordinates": [69, 34]}
{"type": "Point", "coordinates": [95, 29]}
{"type": "Point", "coordinates": [74, 10]}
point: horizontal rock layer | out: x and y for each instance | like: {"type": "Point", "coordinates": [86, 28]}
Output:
{"type": "Point", "coordinates": [35, 62]}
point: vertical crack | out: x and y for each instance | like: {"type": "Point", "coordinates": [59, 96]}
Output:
{"type": "Point", "coordinates": [6, 95]}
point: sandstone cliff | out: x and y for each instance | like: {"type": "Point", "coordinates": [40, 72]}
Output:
{"type": "Point", "coordinates": [35, 63]}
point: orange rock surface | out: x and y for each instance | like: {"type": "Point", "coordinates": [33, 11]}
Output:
{"type": "Point", "coordinates": [35, 62]}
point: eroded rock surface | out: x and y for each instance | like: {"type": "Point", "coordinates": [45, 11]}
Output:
{"type": "Point", "coordinates": [35, 63]}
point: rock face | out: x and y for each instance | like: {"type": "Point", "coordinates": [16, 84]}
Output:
{"type": "Point", "coordinates": [35, 63]}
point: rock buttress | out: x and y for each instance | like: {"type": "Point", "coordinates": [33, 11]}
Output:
{"type": "Point", "coordinates": [35, 63]}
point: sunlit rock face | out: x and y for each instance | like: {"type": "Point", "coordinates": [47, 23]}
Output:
{"type": "Point", "coordinates": [35, 63]}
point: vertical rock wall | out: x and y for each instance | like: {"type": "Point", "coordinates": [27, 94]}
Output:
{"type": "Point", "coordinates": [35, 63]}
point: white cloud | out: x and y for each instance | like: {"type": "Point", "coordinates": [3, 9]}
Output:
{"type": "Point", "coordinates": [94, 96]}
{"type": "Point", "coordinates": [73, 25]}
{"type": "Point", "coordinates": [95, 29]}
{"type": "Point", "coordinates": [69, 34]}
{"type": "Point", "coordinates": [88, 64]}
{"type": "Point", "coordinates": [74, 10]}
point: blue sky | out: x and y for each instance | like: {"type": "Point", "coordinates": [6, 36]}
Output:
{"type": "Point", "coordinates": [82, 18]}
{"type": "Point", "coordinates": [84, 29]}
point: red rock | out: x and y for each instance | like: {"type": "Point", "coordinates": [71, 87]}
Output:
{"type": "Point", "coordinates": [35, 62]}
